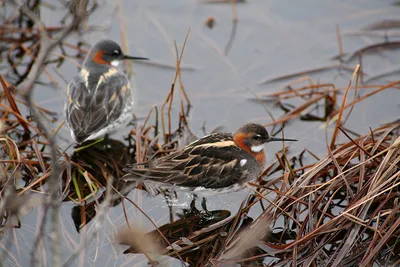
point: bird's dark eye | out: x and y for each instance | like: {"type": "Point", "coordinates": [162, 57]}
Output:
{"type": "Point", "coordinates": [257, 137]}
{"type": "Point", "coordinates": [115, 53]}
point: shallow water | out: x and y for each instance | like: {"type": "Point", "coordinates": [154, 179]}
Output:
{"type": "Point", "coordinates": [273, 38]}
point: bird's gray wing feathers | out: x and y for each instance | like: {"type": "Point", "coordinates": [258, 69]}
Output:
{"type": "Point", "coordinates": [88, 111]}
{"type": "Point", "coordinates": [197, 166]}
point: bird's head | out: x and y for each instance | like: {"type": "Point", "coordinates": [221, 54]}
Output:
{"type": "Point", "coordinates": [252, 137]}
{"type": "Point", "coordinates": [108, 52]}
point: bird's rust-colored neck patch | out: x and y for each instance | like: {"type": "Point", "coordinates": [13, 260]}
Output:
{"type": "Point", "coordinates": [98, 58]}
{"type": "Point", "coordinates": [240, 138]}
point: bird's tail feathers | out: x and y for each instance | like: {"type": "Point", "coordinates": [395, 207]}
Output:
{"type": "Point", "coordinates": [136, 179]}
{"type": "Point", "coordinates": [155, 175]}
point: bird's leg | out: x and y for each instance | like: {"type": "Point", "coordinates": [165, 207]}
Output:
{"type": "Point", "coordinates": [206, 214]}
{"type": "Point", "coordinates": [193, 203]}
{"type": "Point", "coordinates": [106, 140]}
{"type": "Point", "coordinates": [166, 195]}
{"type": "Point", "coordinates": [171, 214]}
{"type": "Point", "coordinates": [204, 205]}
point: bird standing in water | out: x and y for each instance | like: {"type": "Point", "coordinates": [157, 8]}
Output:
{"type": "Point", "coordinates": [100, 98]}
{"type": "Point", "coordinates": [216, 163]}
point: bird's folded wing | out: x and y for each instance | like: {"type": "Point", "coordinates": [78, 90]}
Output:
{"type": "Point", "coordinates": [88, 111]}
{"type": "Point", "coordinates": [206, 166]}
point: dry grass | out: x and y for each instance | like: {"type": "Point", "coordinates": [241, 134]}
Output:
{"type": "Point", "coordinates": [344, 204]}
{"type": "Point", "coordinates": [340, 210]}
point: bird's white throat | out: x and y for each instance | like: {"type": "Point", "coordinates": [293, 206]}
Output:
{"type": "Point", "coordinates": [257, 149]}
{"type": "Point", "coordinates": [115, 63]}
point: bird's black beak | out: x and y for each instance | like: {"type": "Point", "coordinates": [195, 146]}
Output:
{"type": "Point", "coordinates": [134, 58]}
{"type": "Point", "coordinates": [272, 139]}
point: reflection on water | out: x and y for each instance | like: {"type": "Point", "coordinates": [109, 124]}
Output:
{"type": "Point", "coordinates": [86, 177]}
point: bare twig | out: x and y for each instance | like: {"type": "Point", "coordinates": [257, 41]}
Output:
{"type": "Point", "coordinates": [47, 44]}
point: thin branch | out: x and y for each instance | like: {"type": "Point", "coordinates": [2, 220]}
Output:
{"type": "Point", "coordinates": [47, 44]}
